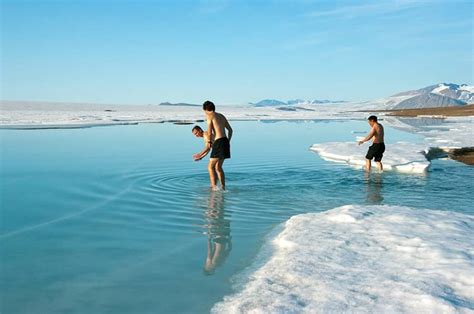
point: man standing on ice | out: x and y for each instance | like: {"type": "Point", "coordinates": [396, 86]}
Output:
{"type": "Point", "coordinates": [220, 142]}
{"type": "Point", "coordinates": [377, 148]}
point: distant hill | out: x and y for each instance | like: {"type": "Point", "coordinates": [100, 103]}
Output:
{"type": "Point", "coordinates": [178, 104]}
{"type": "Point", "coordinates": [270, 103]}
{"type": "Point", "coordinates": [292, 102]}
{"type": "Point", "coordinates": [433, 96]}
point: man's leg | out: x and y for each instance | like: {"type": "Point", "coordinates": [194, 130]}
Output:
{"type": "Point", "coordinates": [379, 166]}
{"type": "Point", "coordinates": [212, 172]}
{"type": "Point", "coordinates": [368, 164]}
{"type": "Point", "coordinates": [220, 172]}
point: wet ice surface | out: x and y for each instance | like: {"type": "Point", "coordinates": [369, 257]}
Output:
{"type": "Point", "coordinates": [400, 156]}
{"type": "Point", "coordinates": [364, 259]}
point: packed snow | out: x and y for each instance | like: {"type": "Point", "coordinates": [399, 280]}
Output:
{"type": "Point", "coordinates": [400, 156]}
{"type": "Point", "coordinates": [367, 259]}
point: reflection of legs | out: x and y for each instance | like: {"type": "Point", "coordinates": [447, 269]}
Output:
{"type": "Point", "coordinates": [368, 164]}
{"type": "Point", "coordinates": [220, 172]}
{"type": "Point", "coordinates": [212, 171]}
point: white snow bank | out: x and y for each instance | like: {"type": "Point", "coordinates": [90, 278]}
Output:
{"type": "Point", "coordinates": [401, 156]}
{"type": "Point", "coordinates": [367, 259]}
{"type": "Point", "coordinates": [455, 133]}
{"type": "Point", "coordinates": [447, 134]}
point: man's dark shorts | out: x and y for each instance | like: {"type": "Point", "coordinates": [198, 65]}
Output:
{"type": "Point", "coordinates": [376, 151]}
{"type": "Point", "coordinates": [221, 148]}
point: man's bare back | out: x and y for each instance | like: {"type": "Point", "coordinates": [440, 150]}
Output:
{"type": "Point", "coordinates": [378, 132]}
{"type": "Point", "coordinates": [217, 123]}
{"type": "Point", "coordinates": [377, 149]}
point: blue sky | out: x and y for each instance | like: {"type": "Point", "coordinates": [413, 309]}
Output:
{"type": "Point", "coordinates": [140, 52]}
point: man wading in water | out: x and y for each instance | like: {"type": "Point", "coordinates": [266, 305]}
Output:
{"type": "Point", "coordinates": [215, 137]}
{"type": "Point", "coordinates": [377, 148]}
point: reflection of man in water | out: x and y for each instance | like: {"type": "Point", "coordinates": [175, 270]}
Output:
{"type": "Point", "coordinates": [219, 242]}
{"type": "Point", "coordinates": [377, 148]}
{"type": "Point", "coordinates": [374, 188]}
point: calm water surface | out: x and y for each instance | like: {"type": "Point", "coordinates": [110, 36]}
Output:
{"type": "Point", "coordinates": [120, 219]}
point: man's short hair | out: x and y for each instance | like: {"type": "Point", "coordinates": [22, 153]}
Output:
{"type": "Point", "coordinates": [372, 118]}
{"type": "Point", "coordinates": [196, 127]}
{"type": "Point", "coordinates": [208, 106]}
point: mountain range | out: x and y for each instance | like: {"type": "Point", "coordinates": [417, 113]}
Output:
{"type": "Point", "coordinates": [178, 104]}
{"type": "Point", "coordinates": [439, 95]}
{"type": "Point", "coordinates": [293, 102]}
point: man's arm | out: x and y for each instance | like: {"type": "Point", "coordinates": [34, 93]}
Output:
{"type": "Point", "coordinates": [206, 150]}
{"type": "Point", "coordinates": [210, 127]}
{"type": "Point", "coordinates": [369, 136]}
{"type": "Point", "coordinates": [229, 129]}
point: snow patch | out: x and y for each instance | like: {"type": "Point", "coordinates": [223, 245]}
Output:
{"type": "Point", "coordinates": [375, 259]}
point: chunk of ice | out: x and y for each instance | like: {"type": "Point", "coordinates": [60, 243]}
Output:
{"type": "Point", "coordinates": [367, 259]}
{"type": "Point", "coordinates": [400, 156]}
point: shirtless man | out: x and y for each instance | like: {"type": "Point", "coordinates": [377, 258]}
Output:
{"type": "Point", "coordinates": [216, 126]}
{"type": "Point", "coordinates": [208, 140]}
{"type": "Point", "coordinates": [377, 148]}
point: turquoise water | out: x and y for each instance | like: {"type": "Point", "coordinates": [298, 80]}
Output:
{"type": "Point", "coordinates": [120, 219]}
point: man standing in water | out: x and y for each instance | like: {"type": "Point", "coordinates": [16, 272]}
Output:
{"type": "Point", "coordinates": [377, 148]}
{"type": "Point", "coordinates": [220, 143]}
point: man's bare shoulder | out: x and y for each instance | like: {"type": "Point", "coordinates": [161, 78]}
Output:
{"type": "Point", "coordinates": [222, 117]}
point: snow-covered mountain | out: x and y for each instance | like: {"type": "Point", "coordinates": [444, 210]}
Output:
{"type": "Point", "coordinates": [293, 102]}
{"type": "Point", "coordinates": [269, 103]}
{"type": "Point", "coordinates": [439, 95]}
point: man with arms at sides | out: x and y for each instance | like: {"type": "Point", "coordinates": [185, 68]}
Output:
{"type": "Point", "coordinates": [216, 127]}
{"type": "Point", "coordinates": [377, 148]}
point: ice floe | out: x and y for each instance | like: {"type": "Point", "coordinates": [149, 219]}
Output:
{"type": "Point", "coordinates": [367, 259]}
{"type": "Point", "coordinates": [447, 133]}
{"type": "Point", "coordinates": [400, 156]}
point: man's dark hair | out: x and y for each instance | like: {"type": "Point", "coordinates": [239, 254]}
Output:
{"type": "Point", "coordinates": [208, 106]}
{"type": "Point", "coordinates": [196, 127]}
{"type": "Point", "coordinates": [372, 118]}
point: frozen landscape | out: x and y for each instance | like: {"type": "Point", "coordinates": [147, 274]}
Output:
{"type": "Point", "coordinates": [444, 133]}
{"type": "Point", "coordinates": [305, 250]}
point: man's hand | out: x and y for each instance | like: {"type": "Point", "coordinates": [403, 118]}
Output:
{"type": "Point", "coordinates": [361, 142]}
{"type": "Point", "coordinates": [197, 157]}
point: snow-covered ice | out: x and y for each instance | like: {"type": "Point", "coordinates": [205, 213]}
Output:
{"type": "Point", "coordinates": [367, 259]}
{"type": "Point", "coordinates": [45, 115]}
{"type": "Point", "coordinates": [400, 156]}
{"type": "Point", "coordinates": [447, 133]}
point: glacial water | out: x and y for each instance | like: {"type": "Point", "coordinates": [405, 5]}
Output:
{"type": "Point", "coordinates": [121, 220]}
